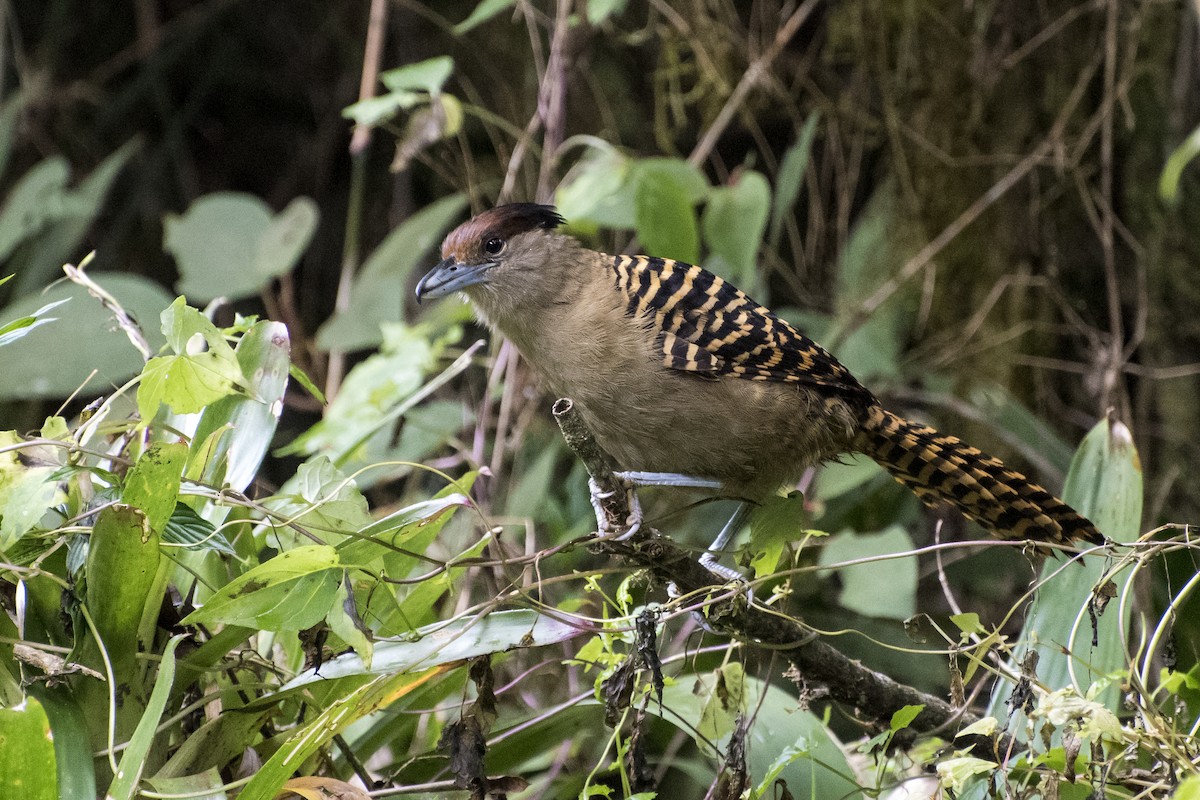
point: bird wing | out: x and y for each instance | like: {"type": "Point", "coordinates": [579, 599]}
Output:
{"type": "Point", "coordinates": [710, 327]}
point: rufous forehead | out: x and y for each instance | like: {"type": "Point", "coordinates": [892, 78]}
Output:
{"type": "Point", "coordinates": [465, 243]}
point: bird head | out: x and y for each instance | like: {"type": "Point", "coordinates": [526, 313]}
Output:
{"type": "Point", "coordinates": [497, 251]}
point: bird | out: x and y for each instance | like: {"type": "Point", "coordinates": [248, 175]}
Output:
{"type": "Point", "coordinates": [685, 380]}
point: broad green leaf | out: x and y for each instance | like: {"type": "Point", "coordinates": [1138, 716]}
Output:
{"type": "Point", "coordinates": [599, 11]}
{"type": "Point", "coordinates": [903, 717]}
{"type": "Point", "coordinates": [291, 592]}
{"type": "Point", "coordinates": [204, 370]}
{"type": "Point", "coordinates": [40, 366]}
{"type": "Point", "coordinates": [381, 286]}
{"type": "Point", "coordinates": [428, 76]}
{"type": "Point", "coordinates": [599, 190]}
{"type": "Point", "coordinates": [263, 356]}
{"type": "Point", "coordinates": [791, 176]}
{"type": "Point", "coordinates": [449, 642]}
{"type": "Point", "coordinates": [188, 529]}
{"type": "Point", "coordinates": [26, 493]}
{"type": "Point", "coordinates": [72, 743]}
{"type": "Point", "coordinates": [229, 244]}
{"type": "Point", "coordinates": [666, 218]}
{"type": "Point", "coordinates": [321, 499]}
{"type": "Point", "coordinates": [372, 389]}
{"type": "Point", "coordinates": [482, 13]}
{"type": "Point", "coordinates": [734, 219]}
{"type": "Point", "coordinates": [396, 529]}
{"type": "Point", "coordinates": [27, 761]}
{"type": "Point", "coordinates": [1104, 484]}
{"type": "Point", "coordinates": [123, 557]}
{"type": "Point", "coordinates": [846, 475]}
{"type": "Point", "coordinates": [879, 244]}
{"type": "Point", "coordinates": [185, 383]}
{"type": "Point", "coordinates": [784, 740]}
{"type": "Point", "coordinates": [773, 525]}
{"type": "Point", "coordinates": [35, 200]}
{"type": "Point", "coordinates": [205, 785]}
{"type": "Point", "coordinates": [153, 482]}
{"type": "Point", "coordinates": [135, 757]}
{"type": "Point", "coordinates": [1012, 419]}
{"type": "Point", "coordinates": [725, 699]}
{"type": "Point", "coordinates": [885, 588]}
{"type": "Point", "coordinates": [1188, 789]}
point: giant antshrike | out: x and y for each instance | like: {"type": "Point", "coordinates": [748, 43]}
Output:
{"type": "Point", "coordinates": [683, 379]}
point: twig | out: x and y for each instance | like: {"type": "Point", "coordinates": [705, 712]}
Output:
{"type": "Point", "coordinates": [132, 329]}
{"type": "Point", "coordinates": [873, 695]}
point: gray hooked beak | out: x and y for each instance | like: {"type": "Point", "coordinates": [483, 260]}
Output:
{"type": "Point", "coordinates": [450, 276]}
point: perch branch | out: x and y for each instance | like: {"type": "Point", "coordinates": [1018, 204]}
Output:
{"type": "Point", "coordinates": [874, 695]}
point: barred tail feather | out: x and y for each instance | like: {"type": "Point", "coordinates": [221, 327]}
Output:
{"type": "Point", "coordinates": [942, 468]}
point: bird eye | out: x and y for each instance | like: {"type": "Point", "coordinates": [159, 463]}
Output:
{"type": "Point", "coordinates": [493, 246]}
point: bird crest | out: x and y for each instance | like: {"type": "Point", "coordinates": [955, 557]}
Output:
{"type": "Point", "coordinates": [465, 243]}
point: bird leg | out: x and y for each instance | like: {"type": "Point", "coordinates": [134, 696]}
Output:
{"type": "Point", "coordinates": [674, 479]}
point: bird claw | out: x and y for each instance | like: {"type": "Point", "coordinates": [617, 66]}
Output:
{"type": "Point", "coordinates": [633, 522]}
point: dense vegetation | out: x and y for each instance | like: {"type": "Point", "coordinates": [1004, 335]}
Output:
{"type": "Point", "coordinates": [290, 531]}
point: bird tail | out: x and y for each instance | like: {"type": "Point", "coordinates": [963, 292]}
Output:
{"type": "Point", "coordinates": [938, 468]}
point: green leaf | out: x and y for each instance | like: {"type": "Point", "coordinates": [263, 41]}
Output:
{"type": "Point", "coordinates": [228, 244]}
{"type": "Point", "coordinates": [599, 11]}
{"type": "Point", "coordinates": [35, 201]}
{"type": "Point", "coordinates": [789, 743]}
{"type": "Point", "coordinates": [773, 525]}
{"type": "Point", "coordinates": [123, 557]}
{"type": "Point", "coordinates": [427, 76]}
{"type": "Point", "coordinates": [194, 378]}
{"type": "Point", "coordinates": [26, 493]}
{"type": "Point", "coordinates": [482, 13]}
{"type": "Point", "coordinates": [903, 717]}
{"type": "Point", "coordinates": [291, 592]}
{"type": "Point", "coordinates": [733, 224]}
{"type": "Point", "coordinates": [344, 621]}
{"type": "Point", "coordinates": [39, 366]}
{"type": "Point", "coordinates": [263, 356]}
{"type": "Point", "coordinates": [599, 190]}
{"type": "Point", "coordinates": [185, 383]}
{"type": "Point", "coordinates": [885, 588]}
{"type": "Point", "coordinates": [1188, 789]}
{"type": "Point", "coordinates": [380, 288]}
{"type": "Point", "coordinates": [447, 642]}
{"type": "Point", "coordinates": [27, 762]}
{"type": "Point", "coordinates": [321, 499]}
{"type": "Point", "coordinates": [20, 327]}
{"type": "Point", "coordinates": [1104, 484]}
{"type": "Point", "coordinates": [188, 529]}
{"type": "Point", "coordinates": [396, 529]}
{"type": "Point", "coordinates": [371, 390]}
{"type": "Point", "coordinates": [134, 759]}
{"type": "Point", "coordinates": [72, 744]}
{"type": "Point", "coordinates": [726, 699]}
{"type": "Point", "coordinates": [666, 219]}
{"type": "Point", "coordinates": [153, 483]}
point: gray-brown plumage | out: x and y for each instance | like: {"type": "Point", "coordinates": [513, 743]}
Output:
{"type": "Point", "coordinates": [675, 370]}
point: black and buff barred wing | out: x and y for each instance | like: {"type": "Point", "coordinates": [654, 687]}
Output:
{"type": "Point", "coordinates": [710, 327]}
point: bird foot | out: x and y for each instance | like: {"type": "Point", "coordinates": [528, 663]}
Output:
{"type": "Point", "coordinates": [632, 523]}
